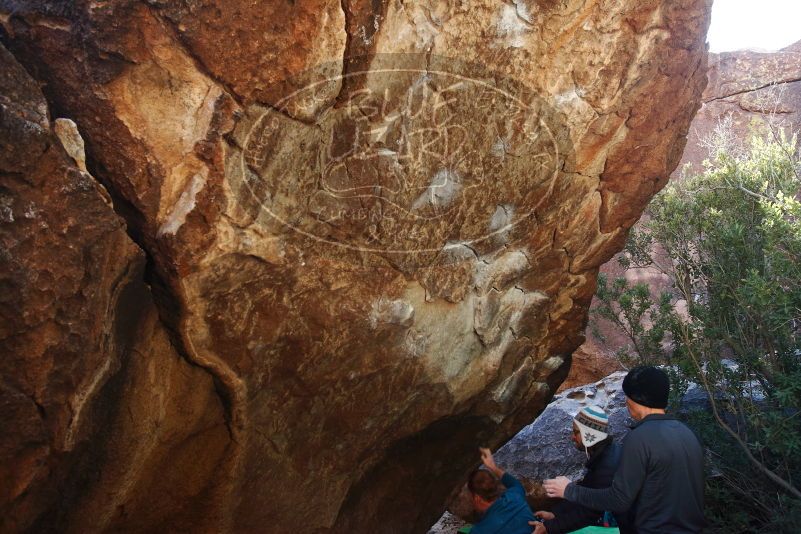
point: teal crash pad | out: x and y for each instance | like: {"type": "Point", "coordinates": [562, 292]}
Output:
{"type": "Point", "coordinates": [587, 530]}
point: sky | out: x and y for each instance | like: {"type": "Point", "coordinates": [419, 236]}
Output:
{"type": "Point", "coordinates": [754, 24]}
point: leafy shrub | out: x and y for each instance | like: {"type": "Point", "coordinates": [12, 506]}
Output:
{"type": "Point", "coordinates": [729, 242]}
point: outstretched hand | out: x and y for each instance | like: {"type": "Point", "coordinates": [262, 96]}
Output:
{"type": "Point", "coordinates": [489, 462]}
{"type": "Point", "coordinates": [555, 487]}
{"type": "Point", "coordinates": [486, 458]}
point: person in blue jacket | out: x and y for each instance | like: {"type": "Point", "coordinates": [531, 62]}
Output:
{"type": "Point", "coordinates": [504, 512]}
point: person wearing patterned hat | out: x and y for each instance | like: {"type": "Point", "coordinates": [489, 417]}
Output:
{"type": "Point", "coordinates": [590, 435]}
{"type": "Point", "coordinates": [661, 471]}
{"type": "Point", "coordinates": [592, 423]}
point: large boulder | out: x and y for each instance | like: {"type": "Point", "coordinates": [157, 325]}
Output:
{"type": "Point", "coordinates": [99, 413]}
{"type": "Point", "coordinates": [544, 448]}
{"type": "Point", "coordinates": [372, 231]}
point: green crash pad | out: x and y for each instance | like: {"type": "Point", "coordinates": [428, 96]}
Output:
{"type": "Point", "coordinates": [587, 530]}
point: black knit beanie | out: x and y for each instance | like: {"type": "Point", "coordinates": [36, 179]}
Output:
{"type": "Point", "coordinates": [647, 385]}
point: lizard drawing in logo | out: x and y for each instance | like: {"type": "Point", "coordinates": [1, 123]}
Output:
{"type": "Point", "coordinates": [410, 161]}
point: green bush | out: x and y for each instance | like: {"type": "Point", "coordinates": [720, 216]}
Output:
{"type": "Point", "coordinates": [729, 241]}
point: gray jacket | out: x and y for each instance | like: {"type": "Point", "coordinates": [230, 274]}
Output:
{"type": "Point", "coordinates": [661, 476]}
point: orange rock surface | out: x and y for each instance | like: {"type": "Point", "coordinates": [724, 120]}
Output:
{"type": "Point", "coordinates": [370, 234]}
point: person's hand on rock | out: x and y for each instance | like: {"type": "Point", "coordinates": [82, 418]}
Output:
{"type": "Point", "coordinates": [486, 458]}
{"type": "Point", "coordinates": [489, 462]}
{"type": "Point", "coordinates": [555, 487]}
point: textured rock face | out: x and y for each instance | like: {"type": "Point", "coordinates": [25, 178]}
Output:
{"type": "Point", "coordinates": [544, 449]}
{"type": "Point", "coordinates": [590, 361]}
{"type": "Point", "coordinates": [56, 272]}
{"type": "Point", "coordinates": [97, 409]}
{"type": "Point", "coordinates": [368, 258]}
{"type": "Point", "coordinates": [747, 93]}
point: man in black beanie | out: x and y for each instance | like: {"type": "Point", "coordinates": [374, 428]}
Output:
{"type": "Point", "coordinates": [661, 472]}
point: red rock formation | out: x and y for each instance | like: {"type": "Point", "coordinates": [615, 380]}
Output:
{"type": "Point", "coordinates": [747, 93]}
{"type": "Point", "coordinates": [364, 274]}
{"type": "Point", "coordinates": [591, 360]}
{"type": "Point", "coordinates": [98, 411]}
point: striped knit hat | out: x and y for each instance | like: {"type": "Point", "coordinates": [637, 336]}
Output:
{"type": "Point", "coordinates": [593, 422]}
